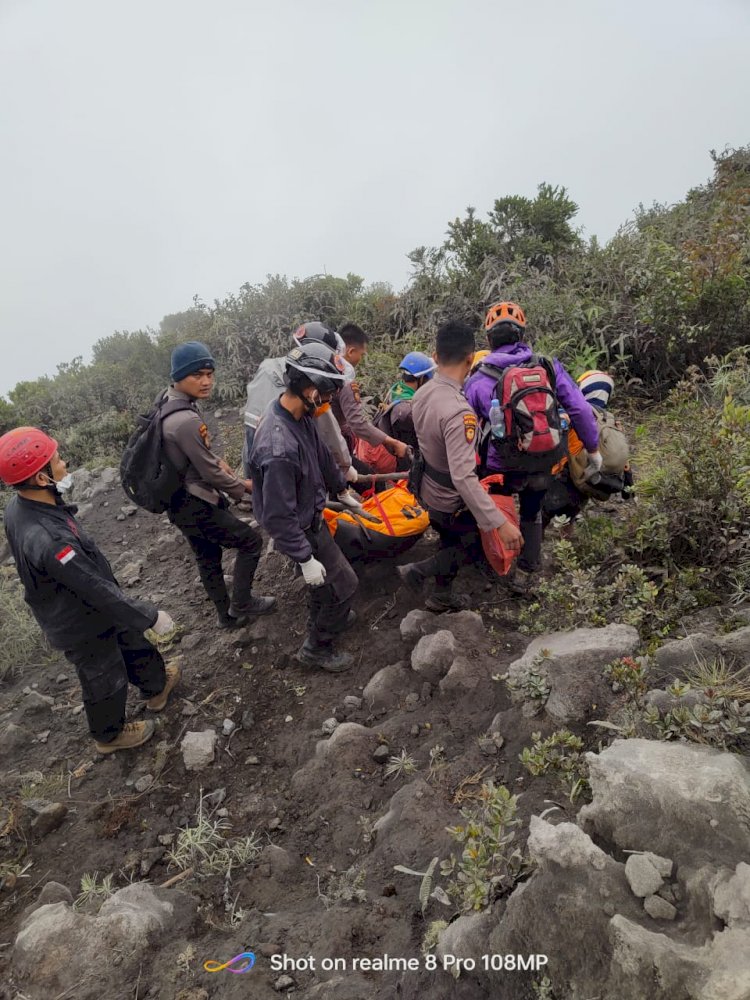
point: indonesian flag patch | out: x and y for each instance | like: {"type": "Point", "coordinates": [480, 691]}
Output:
{"type": "Point", "coordinates": [65, 555]}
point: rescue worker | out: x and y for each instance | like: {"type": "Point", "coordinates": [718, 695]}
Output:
{"type": "Point", "coordinates": [563, 498]}
{"type": "Point", "coordinates": [268, 383]}
{"type": "Point", "coordinates": [75, 598]}
{"type": "Point", "coordinates": [292, 472]}
{"type": "Point", "coordinates": [347, 404]}
{"type": "Point", "coordinates": [458, 505]}
{"type": "Point", "coordinates": [199, 508]}
{"type": "Point", "coordinates": [395, 418]}
{"type": "Point", "coordinates": [505, 325]}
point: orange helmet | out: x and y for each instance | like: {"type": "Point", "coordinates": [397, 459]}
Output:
{"type": "Point", "coordinates": [504, 312]}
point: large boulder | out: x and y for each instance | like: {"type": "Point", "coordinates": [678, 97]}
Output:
{"type": "Point", "coordinates": [674, 658]}
{"type": "Point", "coordinates": [433, 655]}
{"type": "Point", "coordinates": [571, 666]}
{"type": "Point", "coordinates": [736, 645]}
{"type": "Point", "coordinates": [389, 686]}
{"type": "Point", "coordinates": [59, 951]}
{"type": "Point", "coordinates": [412, 831]}
{"type": "Point", "coordinates": [705, 794]}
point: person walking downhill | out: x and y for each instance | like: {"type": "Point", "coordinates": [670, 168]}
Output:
{"type": "Point", "coordinates": [446, 472]}
{"type": "Point", "coordinates": [199, 507]}
{"type": "Point", "coordinates": [292, 472]}
{"type": "Point", "coordinates": [75, 598]}
{"type": "Point", "coordinates": [528, 418]}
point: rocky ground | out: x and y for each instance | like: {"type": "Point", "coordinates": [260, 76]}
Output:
{"type": "Point", "coordinates": [262, 816]}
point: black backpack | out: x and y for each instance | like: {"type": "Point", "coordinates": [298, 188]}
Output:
{"type": "Point", "coordinates": [149, 479]}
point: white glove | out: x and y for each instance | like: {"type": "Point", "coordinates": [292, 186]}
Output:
{"type": "Point", "coordinates": [351, 475]}
{"type": "Point", "coordinates": [163, 624]}
{"type": "Point", "coordinates": [349, 499]}
{"type": "Point", "coordinates": [314, 572]}
{"type": "Point", "coordinates": [594, 463]}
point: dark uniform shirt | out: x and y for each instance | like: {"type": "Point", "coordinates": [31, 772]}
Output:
{"type": "Point", "coordinates": [68, 583]}
{"type": "Point", "coordinates": [292, 472]}
{"type": "Point", "coordinates": [187, 444]}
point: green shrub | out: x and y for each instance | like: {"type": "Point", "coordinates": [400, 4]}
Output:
{"type": "Point", "coordinates": [491, 861]}
{"type": "Point", "coordinates": [21, 640]}
{"type": "Point", "coordinates": [560, 754]}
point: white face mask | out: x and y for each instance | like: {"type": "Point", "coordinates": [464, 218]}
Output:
{"type": "Point", "coordinates": [65, 483]}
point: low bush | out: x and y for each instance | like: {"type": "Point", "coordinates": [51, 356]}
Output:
{"type": "Point", "coordinates": [21, 640]}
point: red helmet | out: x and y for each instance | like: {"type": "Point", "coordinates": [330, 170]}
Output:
{"type": "Point", "coordinates": [23, 452]}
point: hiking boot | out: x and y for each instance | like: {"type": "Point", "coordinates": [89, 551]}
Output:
{"type": "Point", "coordinates": [133, 734]}
{"type": "Point", "coordinates": [442, 601]}
{"type": "Point", "coordinates": [159, 701]}
{"type": "Point", "coordinates": [411, 576]}
{"type": "Point", "coordinates": [521, 583]}
{"type": "Point", "coordinates": [255, 606]}
{"type": "Point", "coordinates": [231, 621]}
{"type": "Point", "coordinates": [323, 659]}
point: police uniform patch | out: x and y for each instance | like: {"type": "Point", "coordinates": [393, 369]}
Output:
{"type": "Point", "coordinates": [203, 431]}
{"type": "Point", "coordinates": [470, 427]}
{"type": "Point", "coordinates": [356, 392]}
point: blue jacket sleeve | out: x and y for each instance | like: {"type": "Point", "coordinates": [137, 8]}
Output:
{"type": "Point", "coordinates": [580, 412]}
{"type": "Point", "coordinates": [280, 509]}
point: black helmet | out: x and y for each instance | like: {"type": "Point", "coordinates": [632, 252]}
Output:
{"type": "Point", "coordinates": [319, 332]}
{"type": "Point", "coordinates": [313, 364]}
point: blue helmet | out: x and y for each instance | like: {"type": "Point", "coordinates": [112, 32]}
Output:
{"type": "Point", "coordinates": [418, 365]}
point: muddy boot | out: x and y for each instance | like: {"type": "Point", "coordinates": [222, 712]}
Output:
{"type": "Point", "coordinates": [159, 701]}
{"type": "Point", "coordinates": [446, 600]}
{"type": "Point", "coordinates": [521, 582]}
{"type": "Point", "coordinates": [133, 734]}
{"type": "Point", "coordinates": [323, 658]}
{"type": "Point", "coordinates": [255, 606]}
{"type": "Point", "coordinates": [227, 620]}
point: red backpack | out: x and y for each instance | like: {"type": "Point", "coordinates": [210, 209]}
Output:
{"type": "Point", "coordinates": [534, 440]}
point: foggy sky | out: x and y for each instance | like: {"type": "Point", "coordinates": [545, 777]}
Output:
{"type": "Point", "coordinates": [151, 150]}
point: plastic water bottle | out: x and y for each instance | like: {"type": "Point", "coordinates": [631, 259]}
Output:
{"type": "Point", "coordinates": [564, 420]}
{"type": "Point", "coordinates": [497, 422]}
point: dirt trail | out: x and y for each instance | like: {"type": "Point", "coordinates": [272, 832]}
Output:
{"type": "Point", "coordinates": [277, 708]}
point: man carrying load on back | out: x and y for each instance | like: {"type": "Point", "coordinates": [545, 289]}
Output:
{"type": "Point", "coordinates": [446, 471]}
{"type": "Point", "coordinates": [516, 395]}
{"type": "Point", "coordinates": [576, 483]}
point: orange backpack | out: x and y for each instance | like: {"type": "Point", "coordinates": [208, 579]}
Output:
{"type": "Point", "coordinates": [399, 522]}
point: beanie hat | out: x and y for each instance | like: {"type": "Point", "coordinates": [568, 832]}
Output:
{"type": "Point", "coordinates": [597, 387]}
{"type": "Point", "coordinates": [189, 358]}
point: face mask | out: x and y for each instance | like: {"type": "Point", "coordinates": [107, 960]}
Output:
{"type": "Point", "coordinates": [64, 484]}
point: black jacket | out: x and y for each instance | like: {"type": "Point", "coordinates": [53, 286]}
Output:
{"type": "Point", "coordinates": [69, 584]}
{"type": "Point", "coordinates": [292, 470]}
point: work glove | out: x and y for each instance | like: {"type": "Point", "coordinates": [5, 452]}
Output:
{"type": "Point", "coordinates": [349, 499]}
{"type": "Point", "coordinates": [594, 464]}
{"type": "Point", "coordinates": [351, 475]}
{"type": "Point", "coordinates": [164, 624]}
{"type": "Point", "coordinates": [314, 572]}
